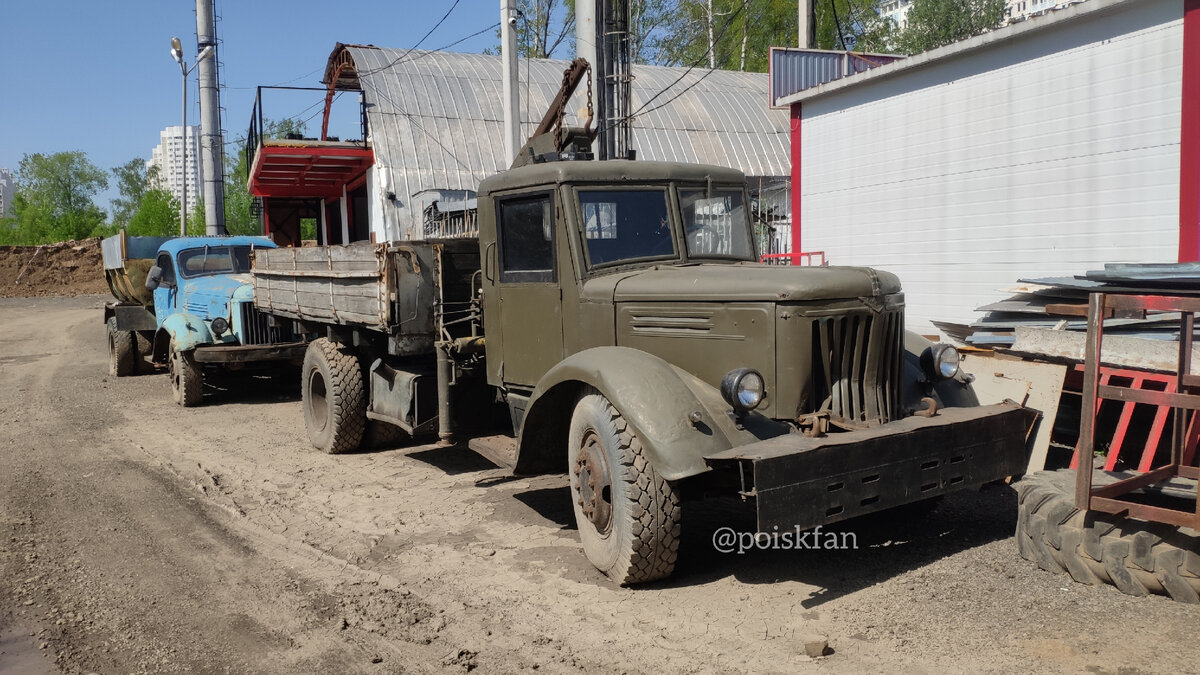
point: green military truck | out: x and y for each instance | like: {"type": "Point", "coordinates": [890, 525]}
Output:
{"type": "Point", "coordinates": [610, 321]}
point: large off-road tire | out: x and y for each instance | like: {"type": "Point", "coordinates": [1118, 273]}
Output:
{"type": "Point", "coordinates": [628, 516]}
{"type": "Point", "coordinates": [187, 378]}
{"type": "Point", "coordinates": [1136, 556]}
{"type": "Point", "coordinates": [334, 395]}
{"type": "Point", "coordinates": [122, 350]}
{"type": "Point", "coordinates": [144, 351]}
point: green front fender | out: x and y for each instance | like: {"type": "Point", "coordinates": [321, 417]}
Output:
{"type": "Point", "coordinates": [187, 331]}
{"type": "Point", "coordinates": [655, 397]}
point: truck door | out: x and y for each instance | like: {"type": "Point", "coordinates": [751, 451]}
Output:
{"type": "Point", "coordinates": [530, 300]}
{"type": "Point", "coordinates": [167, 292]}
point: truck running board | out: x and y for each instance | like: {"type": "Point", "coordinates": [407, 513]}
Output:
{"type": "Point", "coordinates": [500, 450]}
{"type": "Point", "coordinates": [803, 482]}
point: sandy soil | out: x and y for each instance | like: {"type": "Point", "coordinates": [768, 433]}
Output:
{"type": "Point", "coordinates": [65, 268]}
{"type": "Point", "coordinates": [141, 537]}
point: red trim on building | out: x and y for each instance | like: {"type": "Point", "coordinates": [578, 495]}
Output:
{"type": "Point", "coordinates": [796, 249]}
{"type": "Point", "coordinates": [1189, 137]}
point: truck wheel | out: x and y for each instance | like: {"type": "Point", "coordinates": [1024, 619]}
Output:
{"type": "Point", "coordinates": [335, 401]}
{"type": "Point", "coordinates": [187, 379]}
{"type": "Point", "coordinates": [144, 344]}
{"type": "Point", "coordinates": [122, 350]}
{"type": "Point", "coordinates": [628, 516]}
{"type": "Point", "coordinates": [1136, 556]}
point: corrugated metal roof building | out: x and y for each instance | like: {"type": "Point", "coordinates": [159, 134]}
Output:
{"type": "Point", "coordinates": [435, 121]}
{"type": "Point", "coordinates": [1044, 148]}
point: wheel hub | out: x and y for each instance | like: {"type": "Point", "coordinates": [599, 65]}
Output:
{"type": "Point", "coordinates": [594, 483]}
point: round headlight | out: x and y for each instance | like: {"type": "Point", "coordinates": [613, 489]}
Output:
{"type": "Point", "coordinates": [219, 326]}
{"type": "Point", "coordinates": [743, 388]}
{"type": "Point", "coordinates": [941, 361]}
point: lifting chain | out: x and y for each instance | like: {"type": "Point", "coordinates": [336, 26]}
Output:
{"type": "Point", "coordinates": [562, 106]}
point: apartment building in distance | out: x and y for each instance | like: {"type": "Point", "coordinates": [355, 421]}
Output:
{"type": "Point", "coordinates": [177, 168]}
{"type": "Point", "coordinates": [8, 187]}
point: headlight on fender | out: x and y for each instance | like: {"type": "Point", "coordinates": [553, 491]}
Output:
{"type": "Point", "coordinates": [743, 389]}
{"type": "Point", "coordinates": [219, 326]}
{"type": "Point", "coordinates": [940, 361]}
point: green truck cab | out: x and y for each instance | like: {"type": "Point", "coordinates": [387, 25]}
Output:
{"type": "Point", "coordinates": [615, 312]}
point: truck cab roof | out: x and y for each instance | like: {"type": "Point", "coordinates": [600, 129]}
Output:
{"type": "Point", "coordinates": [613, 171]}
{"type": "Point", "coordinates": [185, 243]}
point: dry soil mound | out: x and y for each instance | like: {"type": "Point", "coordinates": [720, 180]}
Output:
{"type": "Point", "coordinates": [65, 268]}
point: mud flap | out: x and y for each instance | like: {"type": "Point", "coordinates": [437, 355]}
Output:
{"type": "Point", "coordinates": [803, 482]}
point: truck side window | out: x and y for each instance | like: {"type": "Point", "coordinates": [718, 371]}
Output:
{"type": "Point", "coordinates": [167, 265]}
{"type": "Point", "coordinates": [526, 239]}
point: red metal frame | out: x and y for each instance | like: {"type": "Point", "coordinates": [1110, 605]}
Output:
{"type": "Point", "coordinates": [796, 172]}
{"type": "Point", "coordinates": [1107, 498]}
{"type": "Point", "coordinates": [307, 170]}
{"type": "Point", "coordinates": [1138, 379]}
{"type": "Point", "coordinates": [1189, 137]}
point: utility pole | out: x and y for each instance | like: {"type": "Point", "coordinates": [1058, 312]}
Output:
{"type": "Point", "coordinates": [615, 125]}
{"type": "Point", "coordinates": [512, 93]}
{"type": "Point", "coordinates": [586, 48]}
{"type": "Point", "coordinates": [808, 24]}
{"type": "Point", "coordinates": [212, 144]}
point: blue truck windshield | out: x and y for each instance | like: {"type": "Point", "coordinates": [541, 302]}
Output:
{"type": "Point", "coordinates": [210, 260]}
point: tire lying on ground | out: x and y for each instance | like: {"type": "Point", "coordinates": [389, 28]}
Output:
{"type": "Point", "coordinates": [1136, 556]}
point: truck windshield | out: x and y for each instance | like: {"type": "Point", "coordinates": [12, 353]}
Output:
{"type": "Point", "coordinates": [198, 262]}
{"type": "Point", "coordinates": [621, 225]}
{"type": "Point", "coordinates": [715, 224]}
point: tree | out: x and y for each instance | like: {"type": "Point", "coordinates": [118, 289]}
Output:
{"type": "Point", "coordinates": [157, 215]}
{"type": "Point", "coordinates": [933, 23]}
{"type": "Point", "coordinates": [54, 198]}
{"type": "Point", "coordinates": [725, 34]}
{"type": "Point", "coordinates": [132, 183]}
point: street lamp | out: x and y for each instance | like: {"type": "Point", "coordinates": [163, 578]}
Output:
{"type": "Point", "coordinates": [177, 54]}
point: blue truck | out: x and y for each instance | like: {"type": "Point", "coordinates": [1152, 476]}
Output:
{"type": "Point", "coordinates": [187, 303]}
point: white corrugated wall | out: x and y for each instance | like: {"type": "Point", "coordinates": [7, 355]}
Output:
{"type": "Point", "coordinates": [1046, 155]}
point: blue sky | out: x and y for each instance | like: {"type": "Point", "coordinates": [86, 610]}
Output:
{"type": "Point", "coordinates": [98, 76]}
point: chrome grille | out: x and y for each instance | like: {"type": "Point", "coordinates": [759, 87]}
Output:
{"type": "Point", "coordinates": [857, 363]}
{"type": "Point", "coordinates": [257, 328]}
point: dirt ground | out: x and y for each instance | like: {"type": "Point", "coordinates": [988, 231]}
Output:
{"type": "Point", "coordinates": [136, 536]}
{"type": "Point", "coordinates": [65, 268]}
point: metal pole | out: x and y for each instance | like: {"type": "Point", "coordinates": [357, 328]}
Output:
{"type": "Point", "coordinates": [585, 48]}
{"type": "Point", "coordinates": [808, 24]}
{"type": "Point", "coordinates": [512, 94]}
{"type": "Point", "coordinates": [212, 149]}
{"type": "Point", "coordinates": [183, 141]}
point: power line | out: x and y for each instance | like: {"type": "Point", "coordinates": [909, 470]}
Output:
{"type": "Point", "coordinates": [709, 71]}
{"type": "Point", "coordinates": [837, 24]}
{"type": "Point", "coordinates": [400, 58]}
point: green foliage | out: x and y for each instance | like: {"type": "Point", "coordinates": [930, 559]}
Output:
{"type": "Point", "coordinates": [861, 27]}
{"type": "Point", "coordinates": [933, 23]}
{"type": "Point", "coordinates": [53, 200]}
{"type": "Point", "coordinates": [157, 215]}
{"type": "Point", "coordinates": [742, 32]}
{"type": "Point", "coordinates": [308, 228]}
{"type": "Point", "coordinates": [132, 183]}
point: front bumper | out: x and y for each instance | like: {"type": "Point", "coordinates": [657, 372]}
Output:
{"type": "Point", "coordinates": [803, 482]}
{"type": "Point", "coordinates": [293, 351]}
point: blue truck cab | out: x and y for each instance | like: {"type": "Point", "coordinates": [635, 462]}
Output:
{"type": "Point", "coordinates": [204, 314]}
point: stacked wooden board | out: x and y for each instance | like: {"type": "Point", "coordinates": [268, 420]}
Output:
{"type": "Point", "coordinates": [1060, 303]}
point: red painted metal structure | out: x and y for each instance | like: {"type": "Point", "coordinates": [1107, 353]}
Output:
{"type": "Point", "coordinates": [1184, 397]}
{"type": "Point", "coordinates": [1145, 381]}
{"type": "Point", "coordinates": [307, 169]}
{"type": "Point", "coordinates": [1189, 137]}
{"type": "Point", "coordinates": [796, 176]}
